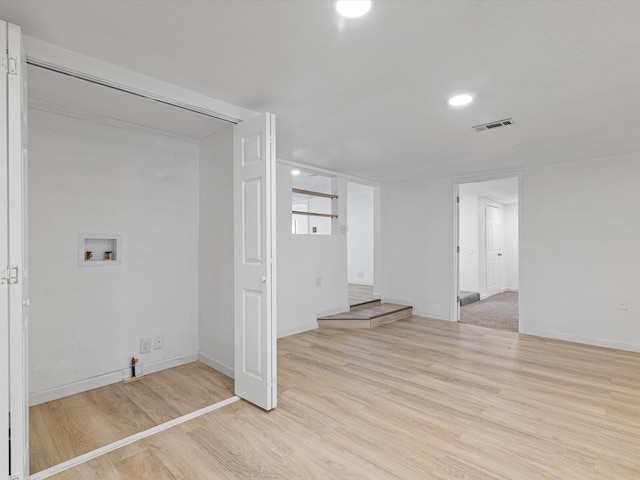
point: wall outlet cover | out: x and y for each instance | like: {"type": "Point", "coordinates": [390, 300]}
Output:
{"type": "Point", "coordinates": [145, 345]}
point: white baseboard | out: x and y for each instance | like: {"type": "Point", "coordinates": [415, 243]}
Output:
{"type": "Point", "coordinates": [598, 342]}
{"type": "Point", "coordinates": [435, 316]}
{"type": "Point", "coordinates": [360, 282]}
{"type": "Point", "coordinates": [36, 398]}
{"type": "Point", "coordinates": [301, 328]}
{"type": "Point", "coordinates": [228, 371]}
{"type": "Point", "coordinates": [164, 364]}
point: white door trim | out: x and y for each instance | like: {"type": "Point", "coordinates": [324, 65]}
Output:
{"type": "Point", "coordinates": [455, 183]}
{"type": "Point", "coordinates": [58, 59]}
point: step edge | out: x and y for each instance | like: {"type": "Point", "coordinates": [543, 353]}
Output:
{"type": "Point", "coordinates": [391, 312]}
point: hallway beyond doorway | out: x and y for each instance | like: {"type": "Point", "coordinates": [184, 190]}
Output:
{"type": "Point", "coordinates": [499, 312]}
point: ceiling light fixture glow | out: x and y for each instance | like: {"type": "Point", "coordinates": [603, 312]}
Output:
{"type": "Point", "coordinates": [295, 172]}
{"type": "Point", "coordinates": [353, 8]}
{"type": "Point", "coordinates": [460, 100]}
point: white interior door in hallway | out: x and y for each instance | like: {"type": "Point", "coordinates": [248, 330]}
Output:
{"type": "Point", "coordinates": [494, 254]}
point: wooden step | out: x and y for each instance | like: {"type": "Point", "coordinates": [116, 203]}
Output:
{"type": "Point", "coordinates": [367, 316]}
{"type": "Point", "coordinates": [365, 304]}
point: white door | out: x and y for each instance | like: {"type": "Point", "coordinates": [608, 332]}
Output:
{"type": "Point", "coordinates": [4, 261]}
{"type": "Point", "coordinates": [255, 279]}
{"type": "Point", "coordinates": [14, 455]}
{"type": "Point", "coordinates": [494, 255]}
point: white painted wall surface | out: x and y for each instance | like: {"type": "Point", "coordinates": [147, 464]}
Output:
{"type": "Point", "coordinates": [301, 260]}
{"type": "Point", "coordinates": [580, 253]}
{"type": "Point", "coordinates": [510, 250]}
{"type": "Point", "coordinates": [469, 257]}
{"type": "Point", "coordinates": [360, 234]}
{"type": "Point", "coordinates": [581, 237]}
{"type": "Point", "coordinates": [86, 323]}
{"type": "Point", "coordinates": [216, 252]}
{"type": "Point", "coordinates": [417, 238]}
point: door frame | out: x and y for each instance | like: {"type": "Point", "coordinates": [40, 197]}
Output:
{"type": "Point", "coordinates": [455, 281]}
{"type": "Point", "coordinates": [378, 202]}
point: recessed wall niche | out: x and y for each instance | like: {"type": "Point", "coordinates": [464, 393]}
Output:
{"type": "Point", "coordinates": [99, 249]}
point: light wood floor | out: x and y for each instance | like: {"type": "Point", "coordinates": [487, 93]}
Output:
{"type": "Point", "coordinates": [415, 399]}
{"type": "Point", "coordinates": [70, 426]}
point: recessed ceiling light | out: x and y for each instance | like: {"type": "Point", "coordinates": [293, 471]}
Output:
{"type": "Point", "coordinates": [460, 100]}
{"type": "Point", "coordinates": [353, 8]}
{"type": "Point", "coordinates": [295, 172]}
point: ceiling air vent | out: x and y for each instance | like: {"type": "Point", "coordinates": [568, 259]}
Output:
{"type": "Point", "coordinates": [492, 125]}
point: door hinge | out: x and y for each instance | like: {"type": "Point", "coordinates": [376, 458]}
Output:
{"type": "Point", "coordinates": [458, 249]}
{"type": "Point", "coordinates": [459, 299]}
{"type": "Point", "coordinates": [9, 64]}
{"type": "Point", "coordinates": [12, 67]}
{"type": "Point", "coordinates": [9, 275]}
{"type": "Point", "coordinates": [272, 383]}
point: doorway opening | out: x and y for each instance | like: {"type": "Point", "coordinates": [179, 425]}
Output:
{"type": "Point", "coordinates": [488, 261]}
{"type": "Point", "coordinates": [360, 242]}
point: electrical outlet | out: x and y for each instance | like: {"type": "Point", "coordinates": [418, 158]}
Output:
{"type": "Point", "coordinates": [318, 281]}
{"type": "Point", "coordinates": [622, 304]}
{"type": "Point", "coordinates": [158, 343]}
{"type": "Point", "coordinates": [145, 345]}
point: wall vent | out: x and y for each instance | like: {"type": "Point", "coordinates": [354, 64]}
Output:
{"type": "Point", "coordinates": [492, 125]}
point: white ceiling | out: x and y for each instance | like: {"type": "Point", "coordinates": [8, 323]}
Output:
{"type": "Point", "coordinates": [367, 96]}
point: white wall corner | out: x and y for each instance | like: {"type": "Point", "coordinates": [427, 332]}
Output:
{"type": "Point", "coordinates": [226, 369]}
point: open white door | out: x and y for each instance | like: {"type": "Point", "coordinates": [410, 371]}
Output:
{"type": "Point", "coordinates": [4, 261]}
{"type": "Point", "coordinates": [13, 216]}
{"type": "Point", "coordinates": [255, 280]}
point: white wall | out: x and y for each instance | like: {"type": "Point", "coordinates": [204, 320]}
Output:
{"type": "Point", "coordinates": [579, 257]}
{"type": "Point", "coordinates": [468, 221]}
{"type": "Point", "coordinates": [301, 260]}
{"type": "Point", "coordinates": [216, 271]}
{"type": "Point", "coordinates": [581, 236]}
{"type": "Point", "coordinates": [510, 246]}
{"type": "Point", "coordinates": [360, 234]}
{"type": "Point", "coordinates": [86, 322]}
{"type": "Point", "coordinates": [417, 242]}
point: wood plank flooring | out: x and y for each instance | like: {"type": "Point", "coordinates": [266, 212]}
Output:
{"type": "Point", "coordinates": [417, 399]}
{"type": "Point", "coordinates": [65, 428]}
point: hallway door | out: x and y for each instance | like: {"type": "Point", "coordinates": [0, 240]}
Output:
{"type": "Point", "coordinates": [493, 248]}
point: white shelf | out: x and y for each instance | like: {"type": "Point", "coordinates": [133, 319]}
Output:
{"type": "Point", "coordinates": [99, 244]}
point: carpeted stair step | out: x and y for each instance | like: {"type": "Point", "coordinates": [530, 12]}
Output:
{"type": "Point", "coordinates": [468, 297]}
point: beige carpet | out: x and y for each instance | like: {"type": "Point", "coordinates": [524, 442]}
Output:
{"type": "Point", "coordinates": [499, 312]}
